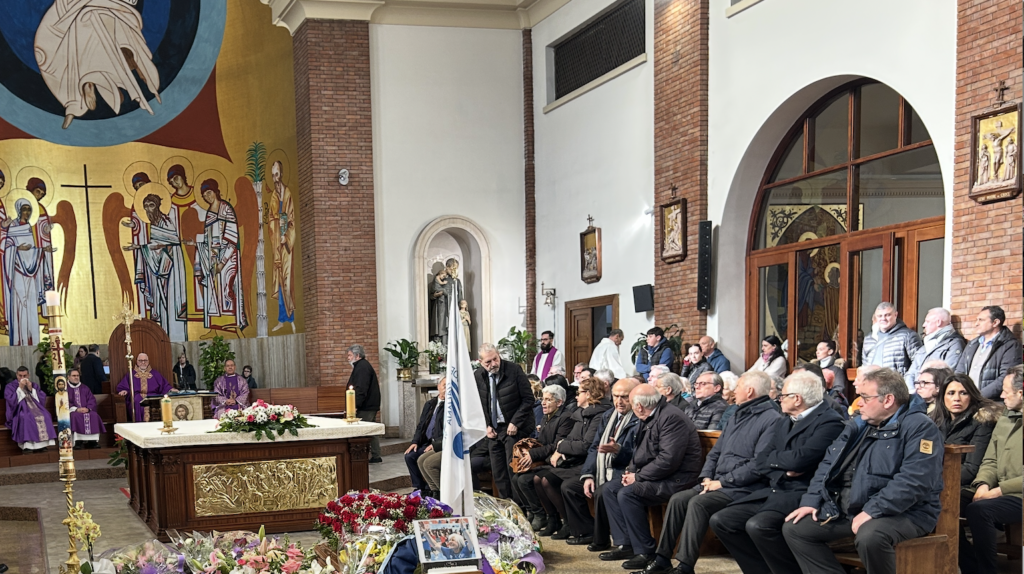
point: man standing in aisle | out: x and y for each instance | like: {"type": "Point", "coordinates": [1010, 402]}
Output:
{"type": "Point", "coordinates": [606, 354]}
{"type": "Point", "coordinates": [364, 380]}
{"type": "Point", "coordinates": [548, 356]}
{"type": "Point", "coordinates": [507, 400]}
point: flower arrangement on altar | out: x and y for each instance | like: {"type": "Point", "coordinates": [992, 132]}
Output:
{"type": "Point", "coordinates": [266, 420]}
{"type": "Point", "coordinates": [245, 553]}
{"type": "Point", "coordinates": [82, 527]}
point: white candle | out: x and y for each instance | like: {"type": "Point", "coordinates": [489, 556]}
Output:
{"type": "Point", "coordinates": [52, 299]}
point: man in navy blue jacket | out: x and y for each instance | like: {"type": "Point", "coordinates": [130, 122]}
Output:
{"type": "Point", "coordinates": [880, 482]}
{"type": "Point", "coordinates": [656, 352]}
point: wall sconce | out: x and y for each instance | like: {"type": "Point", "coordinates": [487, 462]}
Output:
{"type": "Point", "coordinates": [549, 295]}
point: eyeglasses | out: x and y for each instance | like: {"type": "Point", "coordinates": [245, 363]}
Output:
{"type": "Point", "coordinates": [703, 384]}
{"type": "Point", "coordinates": [866, 398]}
{"type": "Point", "coordinates": [784, 395]}
{"type": "Point", "coordinates": [923, 383]}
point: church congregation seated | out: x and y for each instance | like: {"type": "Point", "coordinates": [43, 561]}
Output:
{"type": "Point", "coordinates": [694, 363]}
{"type": "Point", "coordinates": [772, 359]}
{"type": "Point", "coordinates": [826, 356]}
{"type": "Point", "coordinates": [428, 436]}
{"type": "Point", "coordinates": [965, 417]}
{"type": "Point", "coordinates": [928, 383]}
{"type": "Point", "coordinates": [671, 387]}
{"type": "Point", "coordinates": [708, 405]}
{"type": "Point", "coordinates": [714, 355]}
{"type": "Point", "coordinates": [827, 397]}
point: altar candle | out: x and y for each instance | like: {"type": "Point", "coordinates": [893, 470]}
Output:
{"type": "Point", "coordinates": [350, 402]}
{"type": "Point", "coordinates": [165, 410]}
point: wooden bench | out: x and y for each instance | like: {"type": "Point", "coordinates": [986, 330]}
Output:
{"type": "Point", "coordinates": [656, 514]}
{"type": "Point", "coordinates": [940, 550]}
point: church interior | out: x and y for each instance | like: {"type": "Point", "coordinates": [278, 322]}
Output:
{"type": "Point", "coordinates": [331, 224]}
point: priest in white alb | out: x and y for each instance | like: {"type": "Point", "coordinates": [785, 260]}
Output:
{"type": "Point", "coordinates": [606, 354]}
{"type": "Point", "coordinates": [548, 357]}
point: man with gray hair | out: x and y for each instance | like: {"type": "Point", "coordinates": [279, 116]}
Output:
{"type": "Point", "coordinates": [751, 527]}
{"type": "Point", "coordinates": [879, 482]}
{"type": "Point", "coordinates": [941, 342]}
{"type": "Point", "coordinates": [891, 343]}
{"type": "Point", "coordinates": [730, 473]}
{"type": "Point", "coordinates": [364, 380]}
{"type": "Point", "coordinates": [656, 371]}
{"type": "Point", "coordinates": [507, 400]}
{"type": "Point", "coordinates": [671, 387]}
{"type": "Point", "coordinates": [708, 406]}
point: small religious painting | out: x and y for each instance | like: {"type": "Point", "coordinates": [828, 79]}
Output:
{"type": "Point", "coordinates": [995, 155]}
{"type": "Point", "coordinates": [189, 408]}
{"type": "Point", "coordinates": [673, 231]}
{"type": "Point", "coordinates": [590, 253]}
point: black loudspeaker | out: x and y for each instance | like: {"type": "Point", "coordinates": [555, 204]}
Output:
{"type": "Point", "coordinates": [643, 298]}
{"type": "Point", "coordinates": [704, 266]}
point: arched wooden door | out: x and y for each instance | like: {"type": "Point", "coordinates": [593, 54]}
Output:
{"type": "Point", "coordinates": [147, 337]}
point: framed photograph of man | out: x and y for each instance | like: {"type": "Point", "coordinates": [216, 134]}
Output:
{"type": "Point", "coordinates": [448, 544]}
{"type": "Point", "coordinates": [590, 254]}
{"type": "Point", "coordinates": [995, 155]}
{"type": "Point", "coordinates": [673, 231]}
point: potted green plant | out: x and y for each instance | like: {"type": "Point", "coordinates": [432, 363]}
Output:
{"type": "Point", "coordinates": [516, 346]}
{"type": "Point", "coordinates": [674, 336]}
{"type": "Point", "coordinates": [407, 355]}
{"type": "Point", "coordinates": [212, 355]}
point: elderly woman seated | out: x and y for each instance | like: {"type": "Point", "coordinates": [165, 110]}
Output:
{"type": "Point", "coordinates": [569, 456]}
{"type": "Point", "coordinates": [554, 426]}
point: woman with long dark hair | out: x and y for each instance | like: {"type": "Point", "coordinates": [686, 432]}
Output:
{"type": "Point", "coordinates": [772, 360]}
{"type": "Point", "coordinates": [966, 417]}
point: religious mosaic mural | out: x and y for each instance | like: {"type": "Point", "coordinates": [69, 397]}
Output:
{"type": "Point", "coordinates": [147, 156]}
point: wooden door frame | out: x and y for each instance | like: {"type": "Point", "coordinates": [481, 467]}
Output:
{"type": "Point", "coordinates": [602, 301]}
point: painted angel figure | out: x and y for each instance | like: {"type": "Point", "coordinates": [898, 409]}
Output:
{"type": "Point", "coordinates": [89, 46]}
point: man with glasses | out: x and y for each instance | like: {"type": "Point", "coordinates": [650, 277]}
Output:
{"type": "Point", "coordinates": [607, 458]}
{"type": "Point", "coordinates": [880, 482]}
{"type": "Point", "coordinates": [708, 405]}
{"type": "Point", "coordinates": [548, 357]}
{"type": "Point", "coordinates": [148, 382]}
{"type": "Point", "coordinates": [927, 386]}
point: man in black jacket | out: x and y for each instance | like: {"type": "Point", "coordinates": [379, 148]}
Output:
{"type": "Point", "coordinates": [364, 381]}
{"type": "Point", "coordinates": [666, 460]}
{"type": "Point", "coordinates": [707, 406]}
{"type": "Point", "coordinates": [92, 370]}
{"type": "Point", "coordinates": [751, 526]}
{"type": "Point", "coordinates": [730, 473]}
{"type": "Point", "coordinates": [989, 357]}
{"type": "Point", "coordinates": [507, 400]}
{"type": "Point", "coordinates": [429, 428]}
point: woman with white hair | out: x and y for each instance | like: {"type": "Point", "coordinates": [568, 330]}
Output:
{"type": "Point", "coordinates": [555, 425]}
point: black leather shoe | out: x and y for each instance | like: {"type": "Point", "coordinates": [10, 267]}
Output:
{"type": "Point", "coordinates": [595, 547]}
{"type": "Point", "coordinates": [93, 444]}
{"type": "Point", "coordinates": [620, 553]}
{"type": "Point", "coordinates": [562, 534]}
{"type": "Point", "coordinates": [553, 526]}
{"type": "Point", "coordinates": [376, 460]}
{"type": "Point", "coordinates": [3, 568]}
{"type": "Point", "coordinates": [638, 562]}
{"type": "Point", "coordinates": [654, 568]}
{"type": "Point", "coordinates": [579, 540]}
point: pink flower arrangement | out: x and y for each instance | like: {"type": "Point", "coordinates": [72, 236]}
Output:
{"type": "Point", "coordinates": [265, 420]}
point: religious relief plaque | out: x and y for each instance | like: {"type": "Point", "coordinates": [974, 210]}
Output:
{"type": "Point", "coordinates": [995, 155]}
{"type": "Point", "coordinates": [590, 253]}
{"type": "Point", "coordinates": [264, 486]}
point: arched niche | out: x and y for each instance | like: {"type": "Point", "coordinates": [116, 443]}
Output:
{"type": "Point", "coordinates": [461, 238]}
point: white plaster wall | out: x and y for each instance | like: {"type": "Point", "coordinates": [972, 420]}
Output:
{"type": "Point", "coordinates": [769, 63]}
{"type": "Point", "coordinates": [448, 140]}
{"type": "Point", "coordinates": [594, 155]}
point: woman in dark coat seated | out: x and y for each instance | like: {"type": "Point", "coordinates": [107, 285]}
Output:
{"type": "Point", "coordinates": [569, 456]}
{"type": "Point", "coordinates": [965, 417]}
{"type": "Point", "coordinates": [554, 426]}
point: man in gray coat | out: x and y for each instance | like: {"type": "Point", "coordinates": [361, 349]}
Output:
{"type": "Point", "coordinates": [941, 342]}
{"type": "Point", "coordinates": [891, 343]}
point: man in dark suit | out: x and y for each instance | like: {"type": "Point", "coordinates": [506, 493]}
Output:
{"type": "Point", "coordinates": [92, 370]}
{"type": "Point", "coordinates": [429, 427]}
{"type": "Point", "coordinates": [751, 527]}
{"type": "Point", "coordinates": [729, 473]}
{"type": "Point", "coordinates": [666, 460]}
{"type": "Point", "coordinates": [507, 400]}
{"type": "Point", "coordinates": [364, 381]}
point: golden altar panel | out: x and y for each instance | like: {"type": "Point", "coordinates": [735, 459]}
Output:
{"type": "Point", "coordinates": [264, 486]}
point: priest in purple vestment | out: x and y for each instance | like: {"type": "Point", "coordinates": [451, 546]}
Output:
{"type": "Point", "coordinates": [148, 382]}
{"type": "Point", "coordinates": [86, 424]}
{"type": "Point", "coordinates": [232, 390]}
{"type": "Point", "coordinates": [31, 425]}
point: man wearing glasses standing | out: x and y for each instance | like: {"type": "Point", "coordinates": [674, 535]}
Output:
{"type": "Point", "coordinates": [880, 482]}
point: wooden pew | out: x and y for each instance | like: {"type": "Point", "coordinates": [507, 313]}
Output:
{"type": "Point", "coordinates": [656, 514]}
{"type": "Point", "coordinates": [940, 550]}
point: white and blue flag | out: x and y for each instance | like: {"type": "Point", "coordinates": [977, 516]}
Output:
{"type": "Point", "coordinates": [464, 422]}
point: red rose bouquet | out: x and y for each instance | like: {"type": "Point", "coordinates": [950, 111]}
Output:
{"type": "Point", "coordinates": [356, 512]}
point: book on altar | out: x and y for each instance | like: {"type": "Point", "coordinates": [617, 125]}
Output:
{"type": "Point", "coordinates": [448, 545]}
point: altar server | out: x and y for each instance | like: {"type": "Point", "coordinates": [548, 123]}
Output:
{"type": "Point", "coordinates": [147, 381]}
{"type": "Point", "coordinates": [232, 391]}
{"type": "Point", "coordinates": [31, 425]}
{"type": "Point", "coordinates": [86, 424]}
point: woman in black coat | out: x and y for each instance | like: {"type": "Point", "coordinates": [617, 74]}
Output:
{"type": "Point", "coordinates": [555, 425]}
{"type": "Point", "coordinates": [965, 417]}
{"type": "Point", "coordinates": [569, 456]}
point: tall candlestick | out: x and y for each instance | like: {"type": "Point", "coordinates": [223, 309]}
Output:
{"type": "Point", "coordinates": [350, 404]}
{"type": "Point", "coordinates": [165, 412]}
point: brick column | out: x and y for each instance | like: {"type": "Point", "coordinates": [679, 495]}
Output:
{"type": "Point", "coordinates": [339, 255]}
{"type": "Point", "coordinates": [680, 151]}
{"type": "Point", "coordinates": [988, 255]}
{"type": "Point", "coordinates": [530, 187]}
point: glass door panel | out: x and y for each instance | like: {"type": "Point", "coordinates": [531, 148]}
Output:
{"type": "Point", "coordinates": [930, 262]}
{"type": "Point", "coordinates": [817, 299]}
{"type": "Point", "coordinates": [773, 301]}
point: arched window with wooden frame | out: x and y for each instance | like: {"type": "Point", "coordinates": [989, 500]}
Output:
{"type": "Point", "coordinates": [850, 213]}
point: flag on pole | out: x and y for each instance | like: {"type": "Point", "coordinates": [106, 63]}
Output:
{"type": "Point", "coordinates": [464, 422]}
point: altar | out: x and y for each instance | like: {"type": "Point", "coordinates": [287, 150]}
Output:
{"type": "Point", "coordinates": [197, 480]}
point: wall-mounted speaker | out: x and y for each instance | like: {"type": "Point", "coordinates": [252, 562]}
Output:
{"type": "Point", "coordinates": [643, 298]}
{"type": "Point", "coordinates": [704, 266]}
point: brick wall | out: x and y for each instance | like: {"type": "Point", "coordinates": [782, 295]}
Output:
{"type": "Point", "coordinates": [334, 131]}
{"type": "Point", "coordinates": [680, 151]}
{"type": "Point", "coordinates": [987, 239]}
{"type": "Point", "coordinates": [530, 184]}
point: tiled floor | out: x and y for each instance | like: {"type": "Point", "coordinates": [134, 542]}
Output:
{"type": "Point", "coordinates": [20, 545]}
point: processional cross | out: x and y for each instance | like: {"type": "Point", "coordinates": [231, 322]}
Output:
{"type": "Point", "coordinates": [127, 316]}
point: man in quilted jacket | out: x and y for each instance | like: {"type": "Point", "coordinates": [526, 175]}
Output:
{"type": "Point", "coordinates": [891, 343]}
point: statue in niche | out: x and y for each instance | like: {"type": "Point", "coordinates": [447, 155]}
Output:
{"type": "Point", "coordinates": [445, 289]}
{"type": "Point", "coordinates": [466, 321]}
